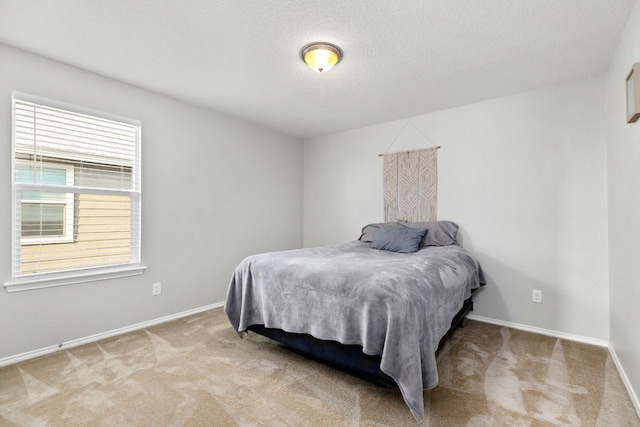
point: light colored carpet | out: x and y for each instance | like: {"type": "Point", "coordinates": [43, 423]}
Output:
{"type": "Point", "coordinates": [197, 372]}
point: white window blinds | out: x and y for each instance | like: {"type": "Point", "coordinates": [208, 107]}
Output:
{"type": "Point", "coordinates": [76, 186]}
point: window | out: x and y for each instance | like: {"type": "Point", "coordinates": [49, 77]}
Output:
{"type": "Point", "coordinates": [76, 194]}
{"type": "Point", "coordinates": [45, 217]}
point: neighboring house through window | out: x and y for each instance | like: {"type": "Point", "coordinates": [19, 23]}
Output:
{"type": "Point", "coordinates": [77, 194]}
{"type": "Point", "coordinates": [45, 217]}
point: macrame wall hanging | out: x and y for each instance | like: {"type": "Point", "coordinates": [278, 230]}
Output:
{"type": "Point", "coordinates": [410, 183]}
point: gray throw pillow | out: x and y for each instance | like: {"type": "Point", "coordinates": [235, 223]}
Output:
{"type": "Point", "coordinates": [439, 233]}
{"type": "Point", "coordinates": [369, 231]}
{"type": "Point", "coordinates": [398, 239]}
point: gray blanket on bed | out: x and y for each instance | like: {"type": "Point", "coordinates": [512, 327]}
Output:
{"type": "Point", "coordinates": [396, 305]}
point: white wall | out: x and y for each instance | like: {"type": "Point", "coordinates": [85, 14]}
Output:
{"type": "Point", "coordinates": [624, 208]}
{"type": "Point", "coordinates": [215, 190]}
{"type": "Point", "coordinates": [525, 178]}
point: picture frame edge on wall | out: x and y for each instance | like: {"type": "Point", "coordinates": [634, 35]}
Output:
{"type": "Point", "coordinates": [632, 88]}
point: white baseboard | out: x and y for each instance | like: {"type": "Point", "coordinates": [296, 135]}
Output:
{"type": "Point", "coordinates": [542, 331]}
{"type": "Point", "coordinates": [625, 379]}
{"type": "Point", "coordinates": [92, 338]}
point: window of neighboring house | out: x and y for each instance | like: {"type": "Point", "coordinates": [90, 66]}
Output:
{"type": "Point", "coordinates": [77, 194]}
{"type": "Point", "coordinates": [45, 217]}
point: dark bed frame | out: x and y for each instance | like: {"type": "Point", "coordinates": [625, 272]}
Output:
{"type": "Point", "coordinates": [349, 358]}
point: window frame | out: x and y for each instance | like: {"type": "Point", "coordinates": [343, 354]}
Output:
{"type": "Point", "coordinates": [22, 282]}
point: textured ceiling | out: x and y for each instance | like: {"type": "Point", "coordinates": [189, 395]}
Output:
{"type": "Point", "coordinates": [401, 59]}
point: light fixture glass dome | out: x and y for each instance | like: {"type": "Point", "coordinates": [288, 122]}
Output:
{"type": "Point", "coordinates": [321, 57]}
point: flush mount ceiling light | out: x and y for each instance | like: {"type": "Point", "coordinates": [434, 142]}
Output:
{"type": "Point", "coordinates": [321, 57]}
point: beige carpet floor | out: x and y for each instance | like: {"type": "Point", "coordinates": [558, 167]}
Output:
{"type": "Point", "coordinates": [197, 372]}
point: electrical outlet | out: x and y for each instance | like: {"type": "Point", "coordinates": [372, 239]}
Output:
{"type": "Point", "coordinates": [536, 296]}
{"type": "Point", "coordinates": [157, 288]}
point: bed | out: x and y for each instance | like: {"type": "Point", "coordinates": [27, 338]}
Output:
{"type": "Point", "coordinates": [378, 306]}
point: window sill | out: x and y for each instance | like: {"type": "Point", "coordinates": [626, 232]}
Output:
{"type": "Point", "coordinates": [72, 278]}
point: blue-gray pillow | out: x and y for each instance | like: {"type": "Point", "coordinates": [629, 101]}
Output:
{"type": "Point", "coordinates": [398, 239]}
{"type": "Point", "coordinates": [369, 231]}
